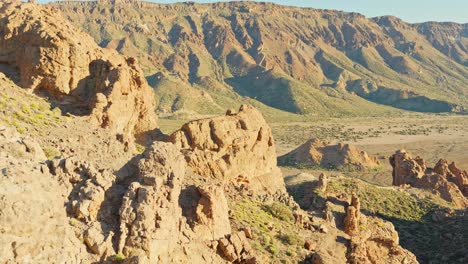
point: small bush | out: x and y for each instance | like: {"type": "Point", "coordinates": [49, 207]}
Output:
{"type": "Point", "coordinates": [279, 210]}
{"type": "Point", "coordinates": [273, 249]}
{"type": "Point", "coordinates": [290, 239]}
{"type": "Point", "coordinates": [51, 152]}
{"type": "Point", "coordinates": [119, 257]}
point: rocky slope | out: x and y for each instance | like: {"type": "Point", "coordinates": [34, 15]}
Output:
{"type": "Point", "coordinates": [79, 191]}
{"type": "Point", "coordinates": [200, 57]}
{"type": "Point", "coordinates": [55, 60]}
{"type": "Point", "coordinates": [315, 153]}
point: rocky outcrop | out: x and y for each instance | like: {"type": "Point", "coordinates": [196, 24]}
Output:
{"type": "Point", "coordinates": [372, 239]}
{"type": "Point", "coordinates": [446, 180]}
{"type": "Point", "coordinates": [453, 174]}
{"type": "Point", "coordinates": [353, 213]}
{"type": "Point", "coordinates": [150, 206]}
{"type": "Point", "coordinates": [12, 144]}
{"type": "Point", "coordinates": [163, 221]}
{"type": "Point", "coordinates": [237, 148]}
{"type": "Point", "coordinates": [236, 248]}
{"type": "Point", "coordinates": [316, 153]}
{"type": "Point", "coordinates": [47, 55]}
{"type": "Point", "coordinates": [406, 170]}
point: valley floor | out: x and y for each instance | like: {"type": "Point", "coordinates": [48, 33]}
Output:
{"type": "Point", "coordinates": [430, 136]}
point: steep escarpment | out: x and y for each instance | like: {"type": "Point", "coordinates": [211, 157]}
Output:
{"type": "Point", "coordinates": [298, 60]}
{"type": "Point", "coordinates": [449, 38]}
{"type": "Point", "coordinates": [47, 55]}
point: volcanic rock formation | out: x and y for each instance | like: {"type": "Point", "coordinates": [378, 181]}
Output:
{"type": "Point", "coordinates": [341, 156]}
{"type": "Point", "coordinates": [31, 207]}
{"type": "Point", "coordinates": [372, 239]}
{"type": "Point", "coordinates": [446, 180]}
{"type": "Point", "coordinates": [236, 148]}
{"type": "Point", "coordinates": [47, 55]}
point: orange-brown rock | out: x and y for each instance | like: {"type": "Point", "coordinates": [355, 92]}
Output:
{"type": "Point", "coordinates": [447, 181]}
{"type": "Point", "coordinates": [212, 213]}
{"type": "Point", "coordinates": [453, 174]}
{"type": "Point", "coordinates": [49, 56]}
{"type": "Point", "coordinates": [163, 221]}
{"type": "Point", "coordinates": [372, 239]}
{"type": "Point", "coordinates": [378, 242]}
{"type": "Point", "coordinates": [406, 170]}
{"type": "Point", "coordinates": [236, 248]}
{"type": "Point", "coordinates": [235, 148]}
{"type": "Point", "coordinates": [352, 218]}
{"type": "Point", "coordinates": [341, 156]}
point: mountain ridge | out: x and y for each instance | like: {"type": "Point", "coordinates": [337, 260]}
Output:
{"type": "Point", "coordinates": [299, 60]}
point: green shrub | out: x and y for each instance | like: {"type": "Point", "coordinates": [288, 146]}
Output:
{"type": "Point", "coordinates": [51, 152]}
{"type": "Point", "coordinates": [119, 257]}
{"type": "Point", "coordinates": [290, 239]}
{"type": "Point", "coordinates": [279, 210]}
{"type": "Point", "coordinates": [273, 249]}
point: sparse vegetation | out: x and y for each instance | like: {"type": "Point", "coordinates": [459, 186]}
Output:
{"type": "Point", "coordinates": [275, 234]}
{"type": "Point", "coordinates": [119, 257]}
{"type": "Point", "coordinates": [51, 152]}
{"type": "Point", "coordinates": [279, 211]}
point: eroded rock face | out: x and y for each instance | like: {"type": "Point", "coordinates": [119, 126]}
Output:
{"type": "Point", "coordinates": [353, 213]}
{"type": "Point", "coordinates": [446, 180]}
{"type": "Point", "coordinates": [48, 55]}
{"type": "Point", "coordinates": [163, 221]}
{"type": "Point", "coordinates": [453, 174]}
{"type": "Point", "coordinates": [236, 148]}
{"type": "Point", "coordinates": [341, 156]}
{"type": "Point", "coordinates": [378, 243]}
{"type": "Point", "coordinates": [372, 239]}
{"type": "Point", "coordinates": [34, 225]}
{"type": "Point", "coordinates": [151, 206]}
{"type": "Point", "coordinates": [212, 213]}
{"type": "Point", "coordinates": [406, 170]}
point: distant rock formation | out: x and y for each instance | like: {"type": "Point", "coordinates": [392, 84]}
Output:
{"type": "Point", "coordinates": [341, 156]}
{"type": "Point", "coordinates": [236, 148]}
{"type": "Point", "coordinates": [49, 56]}
{"type": "Point", "coordinates": [372, 239]}
{"type": "Point", "coordinates": [447, 180]}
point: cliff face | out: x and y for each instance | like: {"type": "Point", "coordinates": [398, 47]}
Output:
{"type": "Point", "coordinates": [295, 59]}
{"type": "Point", "coordinates": [47, 55]}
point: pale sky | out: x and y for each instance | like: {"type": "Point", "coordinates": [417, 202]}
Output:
{"type": "Point", "coordinates": [409, 10]}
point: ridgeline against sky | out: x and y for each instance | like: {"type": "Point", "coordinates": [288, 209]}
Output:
{"type": "Point", "coordinates": [413, 11]}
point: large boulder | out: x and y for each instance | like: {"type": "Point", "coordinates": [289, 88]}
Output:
{"type": "Point", "coordinates": [236, 148]}
{"type": "Point", "coordinates": [44, 53]}
{"type": "Point", "coordinates": [315, 153]}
